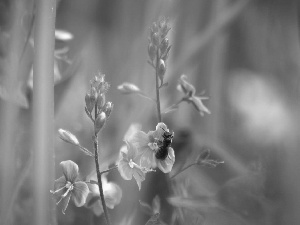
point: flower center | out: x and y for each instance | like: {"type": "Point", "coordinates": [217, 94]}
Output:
{"type": "Point", "coordinates": [131, 163]}
{"type": "Point", "coordinates": [69, 185]}
{"type": "Point", "coordinates": [153, 146]}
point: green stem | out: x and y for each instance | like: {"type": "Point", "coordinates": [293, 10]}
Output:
{"type": "Point", "coordinates": [99, 174]}
{"type": "Point", "coordinates": [110, 169]}
{"type": "Point", "coordinates": [173, 106]}
{"type": "Point", "coordinates": [157, 87]}
{"type": "Point", "coordinates": [180, 171]}
{"type": "Point", "coordinates": [43, 112]}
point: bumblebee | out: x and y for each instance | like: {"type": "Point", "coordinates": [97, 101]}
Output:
{"type": "Point", "coordinates": [162, 151]}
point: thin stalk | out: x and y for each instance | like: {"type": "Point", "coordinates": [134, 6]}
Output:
{"type": "Point", "coordinates": [43, 112]}
{"type": "Point", "coordinates": [180, 171]}
{"type": "Point", "coordinates": [157, 87]}
{"type": "Point", "coordinates": [110, 169]}
{"type": "Point", "coordinates": [99, 174]}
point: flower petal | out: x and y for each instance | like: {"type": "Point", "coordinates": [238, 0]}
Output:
{"type": "Point", "coordinates": [139, 139]}
{"type": "Point", "coordinates": [167, 164]}
{"type": "Point", "coordinates": [148, 159]}
{"type": "Point", "coordinates": [112, 194]}
{"type": "Point", "coordinates": [80, 193]}
{"type": "Point", "coordinates": [70, 170]}
{"type": "Point", "coordinates": [124, 169]}
{"type": "Point", "coordinates": [186, 87]}
{"type": "Point", "coordinates": [97, 208]}
{"type": "Point", "coordinates": [198, 104]}
{"type": "Point", "coordinates": [139, 176]}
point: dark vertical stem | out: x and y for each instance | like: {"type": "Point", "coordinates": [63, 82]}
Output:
{"type": "Point", "coordinates": [99, 174]}
{"type": "Point", "coordinates": [157, 87]}
{"type": "Point", "coordinates": [43, 112]}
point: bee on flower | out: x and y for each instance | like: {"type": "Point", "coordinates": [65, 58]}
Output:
{"type": "Point", "coordinates": [155, 148]}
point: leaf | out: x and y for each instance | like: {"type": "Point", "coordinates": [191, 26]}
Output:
{"type": "Point", "coordinates": [154, 220]}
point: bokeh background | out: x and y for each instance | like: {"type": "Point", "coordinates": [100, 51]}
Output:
{"type": "Point", "coordinates": [244, 54]}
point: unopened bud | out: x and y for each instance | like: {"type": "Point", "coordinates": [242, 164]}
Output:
{"type": "Point", "coordinates": [161, 69]}
{"type": "Point", "coordinates": [151, 51]}
{"type": "Point", "coordinates": [166, 54]}
{"type": "Point", "coordinates": [68, 137]}
{"type": "Point", "coordinates": [164, 45]}
{"type": "Point", "coordinates": [154, 28]}
{"type": "Point", "coordinates": [128, 88]}
{"type": "Point", "coordinates": [100, 121]}
{"type": "Point", "coordinates": [155, 39]}
{"type": "Point", "coordinates": [93, 95]}
{"type": "Point", "coordinates": [108, 108]}
{"type": "Point", "coordinates": [89, 103]}
{"type": "Point", "coordinates": [164, 27]}
{"type": "Point", "coordinates": [100, 101]}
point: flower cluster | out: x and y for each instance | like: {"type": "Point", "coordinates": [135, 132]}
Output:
{"type": "Point", "coordinates": [82, 193]}
{"type": "Point", "coordinates": [95, 100]}
{"type": "Point", "coordinates": [158, 47]}
{"type": "Point", "coordinates": [144, 152]}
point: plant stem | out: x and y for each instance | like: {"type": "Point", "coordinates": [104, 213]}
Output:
{"type": "Point", "coordinates": [99, 173]}
{"type": "Point", "coordinates": [43, 112]}
{"type": "Point", "coordinates": [180, 171]}
{"type": "Point", "coordinates": [110, 169]}
{"type": "Point", "coordinates": [157, 87]}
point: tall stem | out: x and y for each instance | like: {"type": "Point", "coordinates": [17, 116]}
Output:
{"type": "Point", "coordinates": [99, 174]}
{"type": "Point", "coordinates": [157, 87]}
{"type": "Point", "coordinates": [43, 111]}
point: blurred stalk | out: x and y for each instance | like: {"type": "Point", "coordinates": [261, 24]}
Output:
{"type": "Point", "coordinates": [215, 73]}
{"type": "Point", "coordinates": [43, 111]}
{"type": "Point", "coordinates": [9, 113]}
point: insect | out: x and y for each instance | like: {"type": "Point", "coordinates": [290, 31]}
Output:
{"type": "Point", "coordinates": [162, 151]}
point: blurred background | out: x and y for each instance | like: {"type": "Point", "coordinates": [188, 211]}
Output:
{"type": "Point", "coordinates": [244, 54]}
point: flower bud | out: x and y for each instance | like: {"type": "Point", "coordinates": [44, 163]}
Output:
{"type": "Point", "coordinates": [161, 69]}
{"type": "Point", "coordinates": [108, 108]}
{"type": "Point", "coordinates": [100, 101]}
{"type": "Point", "coordinates": [68, 137]}
{"type": "Point", "coordinates": [164, 27]}
{"type": "Point", "coordinates": [128, 88]}
{"type": "Point", "coordinates": [89, 103]}
{"type": "Point", "coordinates": [93, 95]}
{"type": "Point", "coordinates": [154, 28]}
{"type": "Point", "coordinates": [164, 45]}
{"type": "Point", "coordinates": [100, 121]}
{"type": "Point", "coordinates": [155, 39]}
{"type": "Point", "coordinates": [151, 51]}
{"type": "Point", "coordinates": [165, 54]}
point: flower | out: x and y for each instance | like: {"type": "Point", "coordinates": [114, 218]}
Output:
{"type": "Point", "coordinates": [189, 91]}
{"type": "Point", "coordinates": [69, 186]}
{"type": "Point", "coordinates": [148, 145]}
{"type": "Point", "coordinates": [128, 165]}
{"type": "Point", "coordinates": [112, 195]}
